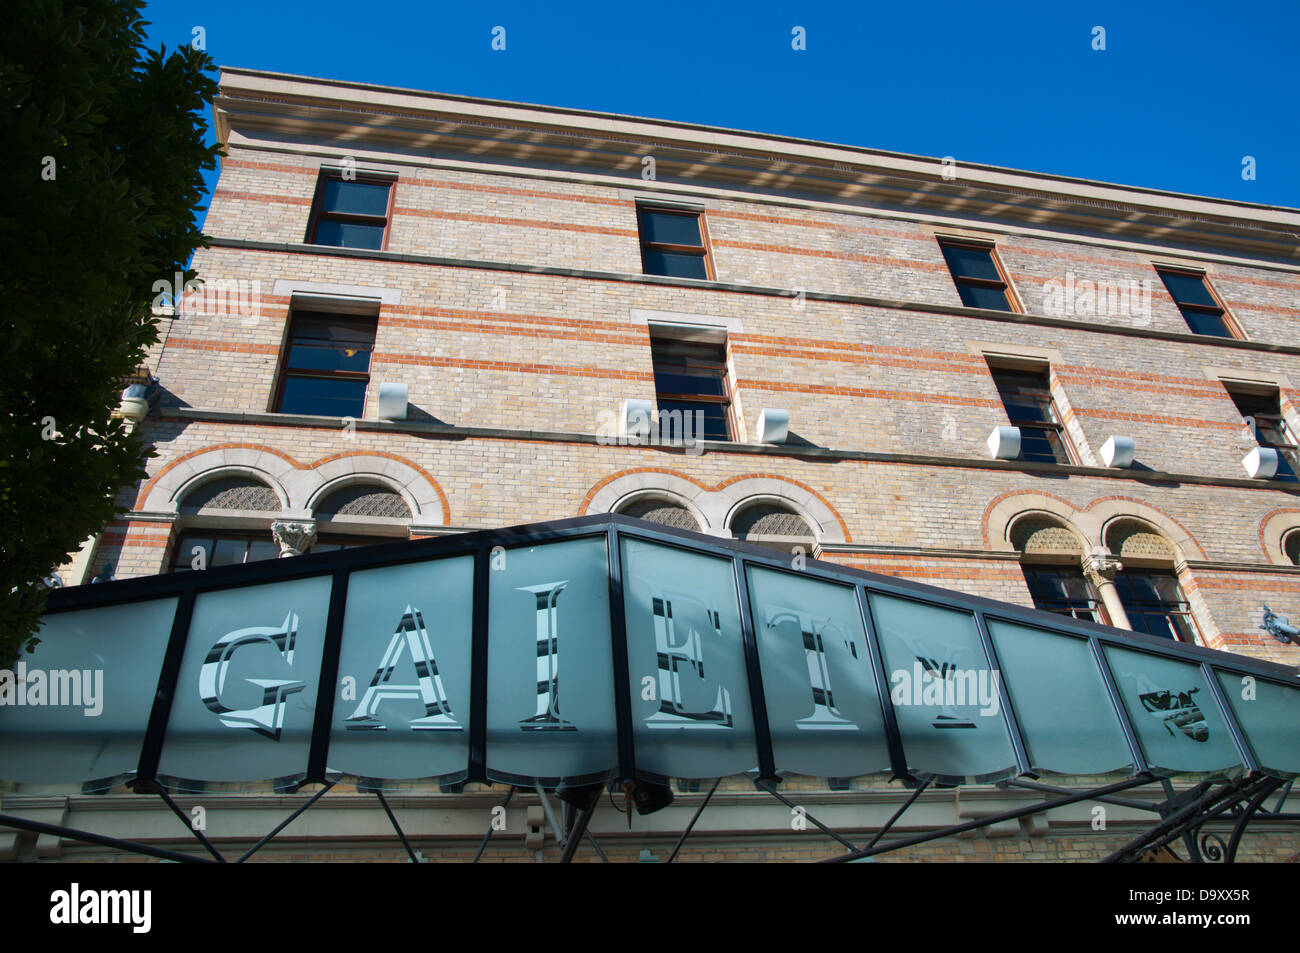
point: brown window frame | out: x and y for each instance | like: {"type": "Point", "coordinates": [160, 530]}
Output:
{"type": "Point", "coordinates": [283, 372]}
{"type": "Point", "coordinates": [1009, 292]}
{"type": "Point", "coordinates": [1234, 329]}
{"type": "Point", "coordinates": [1181, 609]}
{"type": "Point", "coordinates": [1096, 607]}
{"type": "Point", "coordinates": [317, 214]}
{"type": "Point", "coordinates": [180, 553]}
{"type": "Point", "coordinates": [727, 400]}
{"type": "Point", "coordinates": [1057, 425]}
{"type": "Point", "coordinates": [1290, 452]}
{"type": "Point", "coordinates": [703, 250]}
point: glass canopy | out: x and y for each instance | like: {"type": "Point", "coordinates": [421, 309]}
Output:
{"type": "Point", "coordinates": [603, 648]}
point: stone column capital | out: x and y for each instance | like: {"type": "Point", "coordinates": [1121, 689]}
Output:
{"type": "Point", "coordinates": [1100, 567]}
{"type": "Point", "coordinates": [294, 537]}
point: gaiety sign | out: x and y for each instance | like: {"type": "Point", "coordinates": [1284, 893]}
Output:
{"type": "Point", "coordinates": [600, 646]}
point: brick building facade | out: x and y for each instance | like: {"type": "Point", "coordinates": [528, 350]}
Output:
{"type": "Point", "coordinates": [509, 274]}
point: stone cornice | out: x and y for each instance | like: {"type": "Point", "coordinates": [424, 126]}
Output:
{"type": "Point", "coordinates": [338, 114]}
{"type": "Point", "coordinates": [260, 418]}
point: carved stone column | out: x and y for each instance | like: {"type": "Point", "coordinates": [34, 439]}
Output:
{"type": "Point", "coordinates": [293, 537]}
{"type": "Point", "coordinates": [1100, 568]}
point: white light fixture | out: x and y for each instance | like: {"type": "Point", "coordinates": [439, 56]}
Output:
{"type": "Point", "coordinates": [392, 401]}
{"type": "Point", "coordinates": [1004, 443]}
{"type": "Point", "coordinates": [773, 425]}
{"type": "Point", "coordinates": [1260, 463]}
{"type": "Point", "coordinates": [636, 417]}
{"type": "Point", "coordinates": [1117, 451]}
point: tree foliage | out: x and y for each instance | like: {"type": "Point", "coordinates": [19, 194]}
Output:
{"type": "Point", "coordinates": [102, 141]}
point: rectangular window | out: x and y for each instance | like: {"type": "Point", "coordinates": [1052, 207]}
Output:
{"type": "Point", "coordinates": [978, 275]}
{"type": "Point", "coordinates": [691, 377]}
{"type": "Point", "coordinates": [1028, 400]}
{"type": "Point", "coordinates": [1065, 591]}
{"type": "Point", "coordinates": [326, 365]}
{"type": "Point", "coordinates": [1199, 304]}
{"type": "Point", "coordinates": [221, 550]}
{"type": "Point", "coordinates": [673, 243]}
{"type": "Point", "coordinates": [1264, 408]}
{"type": "Point", "coordinates": [351, 213]}
{"type": "Point", "coordinates": [1155, 604]}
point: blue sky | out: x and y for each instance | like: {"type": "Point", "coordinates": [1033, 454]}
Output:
{"type": "Point", "coordinates": [1182, 92]}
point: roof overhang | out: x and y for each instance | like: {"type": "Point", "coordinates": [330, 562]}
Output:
{"type": "Point", "coordinates": [262, 106]}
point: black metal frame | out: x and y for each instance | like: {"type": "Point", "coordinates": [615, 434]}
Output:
{"type": "Point", "coordinates": [339, 565]}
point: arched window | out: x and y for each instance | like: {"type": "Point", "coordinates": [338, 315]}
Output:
{"type": "Point", "coordinates": [230, 501]}
{"type": "Point", "coordinates": [1050, 556]}
{"type": "Point", "coordinates": [774, 525]}
{"type": "Point", "coordinates": [1148, 585]}
{"type": "Point", "coordinates": [661, 511]}
{"type": "Point", "coordinates": [360, 514]}
{"type": "Point", "coordinates": [1291, 546]}
{"type": "Point", "coordinates": [230, 493]}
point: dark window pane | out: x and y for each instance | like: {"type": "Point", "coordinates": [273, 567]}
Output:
{"type": "Point", "coordinates": [1154, 604]}
{"type": "Point", "coordinates": [314, 358]}
{"type": "Point", "coordinates": [670, 229]}
{"type": "Point", "coordinates": [1202, 322]}
{"type": "Point", "coordinates": [979, 296]}
{"type": "Point", "coordinates": [970, 262]}
{"type": "Point", "coordinates": [1188, 289]}
{"type": "Point", "coordinates": [262, 549]}
{"type": "Point", "coordinates": [355, 198]}
{"type": "Point", "coordinates": [675, 265]}
{"type": "Point", "coordinates": [183, 555]}
{"type": "Point", "coordinates": [1022, 409]}
{"type": "Point", "coordinates": [229, 552]}
{"type": "Point", "coordinates": [315, 328]}
{"type": "Point", "coordinates": [681, 381]}
{"type": "Point", "coordinates": [711, 417]}
{"type": "Point", "coordinates": [349, 235]}
{"type": "Point", "coordinates": [1041, 446]}
{"type": "Point", "coordinates": [323, 397]}
{"type": "Point", "coordinates": [1064, 591]}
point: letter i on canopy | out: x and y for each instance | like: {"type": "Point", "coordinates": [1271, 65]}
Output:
{"type": "Point", "coordinates": [548, 660]}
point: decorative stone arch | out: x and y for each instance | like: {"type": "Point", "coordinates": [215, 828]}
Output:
{"type": "Point", "coordinates": [826, 524]}
{"type": "Point", "coordinates": [639, 498]}
{"type": "Point", "coordinates": [189, 473]}
{"type": "Point", "coordinates": [1279, 535]}
{"type": "Point", "coordinates": [714, 506]}
{"type": "Point", "coordinates": [422, 495]}
{"type": "Point", "coordinates": [621, 489]}
{"type": "Point", "coordinates": [1110, 509]}
{"type": "Point", "coordinates": [1041, 536]}
{"type": "Point", "coordinates": [1003, 513]}
{"type": "Point", "coordinates": [783, 526]}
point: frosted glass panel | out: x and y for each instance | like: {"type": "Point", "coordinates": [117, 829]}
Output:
{"type": "Point", "coordinates": [1177, 722]}
{"type": "Point", "coordinates": [94, 674]}
{"type": "Point", "coordinates": [401, 708]}
{"type": "Point", "coordinates": [1269, 715]}
{"type": "Point", "coordinates": [550, 670]}
{"type": "Point", "coordinates": [691, 715]}
{"type": "Point", "coordinates": [822, 705]}
{"type": "Point", "coordinates": [944, 695]}
{"type": "Point", "coordinates": [246, 697]}
{"type": "Point", "coordinates": [1061, 704]}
